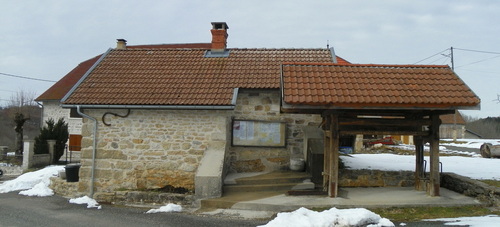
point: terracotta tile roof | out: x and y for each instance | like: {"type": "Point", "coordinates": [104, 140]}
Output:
{"type": "Point", "coordinates": [185, 76]}
{"type": "Point", "coordinates": [61, 87]}
{"type": "Point", "coordinates": [359, 86]}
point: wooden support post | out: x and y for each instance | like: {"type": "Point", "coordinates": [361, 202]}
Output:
{"type": "Point", "coordinates": [326, 150]}
{"type": "Point", "coordinates": [326, 159]}
{"type": "Point", "coordinates": [434, 184]}
{"type": "Point", "coordinates": [419, 163]}
{"type": "Point", "coordinates": [334, 157]}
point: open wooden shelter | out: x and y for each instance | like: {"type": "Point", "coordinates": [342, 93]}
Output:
{"type": "Point", "coordinates": [374, 99]}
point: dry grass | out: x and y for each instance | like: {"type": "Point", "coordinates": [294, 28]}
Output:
{"type": "Point", "coordinates": [419, 213]}
{"type": "Point", "coordinates": [495, 183]}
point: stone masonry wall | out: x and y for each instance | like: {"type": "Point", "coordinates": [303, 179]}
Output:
{"type": "Point", "coordinates": [265, 105]}
{"type": "Point", "coordinates": [149, 149]}
{"type": "Point", "coordinates": [153, 149]}
{"type": "Point", "coordinates": [488, 194]}
{"type": "Point", "coordinates": [375, 178]}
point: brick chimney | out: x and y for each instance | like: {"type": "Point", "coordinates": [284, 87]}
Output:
{"type": "Point", "coordinates": [219, 36]}
{"type": "Point", "coordinates": [121, 44]}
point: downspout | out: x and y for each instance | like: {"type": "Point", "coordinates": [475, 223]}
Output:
{"type": "Point", "coordinates": [94, 145]}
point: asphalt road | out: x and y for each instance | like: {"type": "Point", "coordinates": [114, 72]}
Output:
{"type": "Point", "coordinates": [17, 210]}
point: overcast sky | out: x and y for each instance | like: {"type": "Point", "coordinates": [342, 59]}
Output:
{"type": "Point", "coordinates": [46, 39]}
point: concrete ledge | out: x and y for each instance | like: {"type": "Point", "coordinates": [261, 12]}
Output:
{"type": "Point", "coordinates": [209, 177]}
{"type": "Point", "coordinates": [470, 187]}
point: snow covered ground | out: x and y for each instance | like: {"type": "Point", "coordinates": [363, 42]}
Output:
{"type": "Point", "coordinates": [473, 167]}
{"type": "Point", "coordinates": [32, 183]}
{"type": "Point", "coordinates": [36, 184]}
{"type": "Point", "coordinates": [472, 143]}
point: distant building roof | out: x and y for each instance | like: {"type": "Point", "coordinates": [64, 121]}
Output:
{"type": "Point", "coordinates": [375, 86]}
{"type": "Point", "coordinates": [61, 87]}
{"type": "Point", "coordinates": [451, 119]}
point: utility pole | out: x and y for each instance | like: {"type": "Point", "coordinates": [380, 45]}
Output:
{"type": "Point", "coordinates": [452, 62]}
{"type": "Point", "coordinates": [455, 114]}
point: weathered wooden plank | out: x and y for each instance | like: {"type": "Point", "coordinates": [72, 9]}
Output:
{"type": "Point", "coordinates": [384, 122]}
{"type": "Point", "coordinates": [334, 156]}
{"type": "Point", "coordinates": [373, 132]}
{"type": "Point", "coordinates": [419, 163]}
{"type": "Point", "coordinates": [434, 189]}
{"type": "Point", "coordinates": [326, 159]}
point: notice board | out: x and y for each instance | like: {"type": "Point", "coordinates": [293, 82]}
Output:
{"type": "Point", "coordinates": [258, 133]}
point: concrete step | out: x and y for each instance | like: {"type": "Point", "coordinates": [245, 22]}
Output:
{"type": "Point", "coordinates": [259, 187]}
{"type": "Point", "coordinates": [252, 186]}
{"type": "Point", "coordinates": [269, 179]}
{"type": "Point", "coordinates": [229, 199]}
{"type": "Point", "coordinates": [272, 181]}
{"type": "Point", "coordinates": [266, 178]}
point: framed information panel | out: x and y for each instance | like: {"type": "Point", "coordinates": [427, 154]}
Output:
{"type": "Point", "coordinates": [255, 133]}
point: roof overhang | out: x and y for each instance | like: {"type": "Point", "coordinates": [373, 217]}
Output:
{"type": "Point", "coordinates": [303, 108]}
{"type": "Point", "coordinates": [166, 107]}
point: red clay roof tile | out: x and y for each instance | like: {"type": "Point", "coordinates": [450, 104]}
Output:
{"type": "Point", "coordinates": [358, 85]}
{"type": "Point", "coordinates": [185, 76]}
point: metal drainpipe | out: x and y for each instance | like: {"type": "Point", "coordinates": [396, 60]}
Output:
{"type": "Point", "coordinates": [93, 149]}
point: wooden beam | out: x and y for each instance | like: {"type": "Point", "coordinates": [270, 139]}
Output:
{"type": "Point", "coordinates": [326, 159]}
{"type": "Point", "coordinates": [384, 122]}
{"type": "Point", "coordinates": [385, 112]}
{"type": "Point", "coordinates": [375, 132]}
{"type": "Point", "coordinates": [326, 151]}
{"type": "Point", "coordinates": [419, 163]}
{"type": "Point", "coordinates": [334, 157]}
{"type": "Point", "coordinates": [434, 181]}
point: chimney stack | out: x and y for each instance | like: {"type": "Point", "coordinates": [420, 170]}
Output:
{"type": "Point", "coordinates": [121, 44]}
{"type": "Point", "coordinates": [219, 36]}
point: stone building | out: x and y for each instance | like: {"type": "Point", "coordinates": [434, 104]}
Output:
{"type": "Point", "coordinates": [167, 117]}
{"type": "Point", "coordinates": [452, 126]}
{"type": "Point", "coordinates": [185, 115]}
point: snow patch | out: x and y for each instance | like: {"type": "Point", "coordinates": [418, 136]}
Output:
{"type": "Point", "coordinates": [40, 179]}
{"type": "Point", "coordinates": [91, 203]}
{"type": "Point", "coordinates": [484, 221]}
{"type": "Point", "coordinates": [41, 189]}
{"type": "Point", "coordinates": [465, 166]}
{"type": "Point", "coordinates": [166, 209]}
{"type": "Point", "coordinates": [472, 143]}
{"type": "Point", "coordinates": [331, 217]}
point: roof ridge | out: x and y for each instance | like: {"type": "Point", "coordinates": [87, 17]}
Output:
{"type": "Point", "coordinates": [366, 65]}
{"type": "Point", "coordinates": [282, 48]}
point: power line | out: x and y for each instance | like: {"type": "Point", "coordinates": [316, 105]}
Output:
{"type": "Point", "coordinates": [478, 51]}
{"type": "Point", "coordinates": [25, 77]}
{"type": "Point", "coordinates": [7, 90]}
{"type": "Point", "coordinates": [462, 49]}
{"type": "Point", "coordinates": [480, 71]}
{"type": "Point", "coordinates": [478, 61]}
{"type": "Point", "coordinates": [431, 56]}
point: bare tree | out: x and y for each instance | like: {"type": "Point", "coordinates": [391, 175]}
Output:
{"type": "Point", "coordinates": [22, 99]}
{"type": "Point", "coordinates": [22, 106]}
{"type": "Point", "coordinates": [19, 120]}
